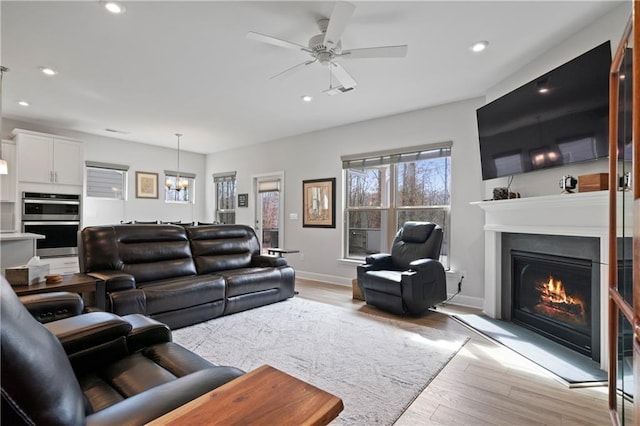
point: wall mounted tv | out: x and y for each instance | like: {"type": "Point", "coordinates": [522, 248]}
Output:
{"type": "Point", "coordinates": [559, 118]}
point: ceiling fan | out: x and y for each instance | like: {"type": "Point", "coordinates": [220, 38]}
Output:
{"type": "Point", "coordinates": [326, 48]}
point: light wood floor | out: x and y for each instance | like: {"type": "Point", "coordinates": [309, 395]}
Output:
{"type": "Point", "coordinates": [485, 383]}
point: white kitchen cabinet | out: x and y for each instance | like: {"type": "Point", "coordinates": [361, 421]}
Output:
{"type": "Point", "coordinates": [43, 158]}
{"type": "Point", "coordinates": [62, 265]}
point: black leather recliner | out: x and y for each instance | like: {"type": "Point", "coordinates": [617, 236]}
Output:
{"type": "Point", "coordinates": [95, 369]}
{"type": "Point", "coordinates": [410, 279]}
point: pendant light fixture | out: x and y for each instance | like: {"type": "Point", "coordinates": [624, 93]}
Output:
{"type": "Point", "coordinates": [180, 184]}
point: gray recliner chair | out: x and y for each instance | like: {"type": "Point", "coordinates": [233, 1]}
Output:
{"type": "Point", "coordinates": [410, 279]}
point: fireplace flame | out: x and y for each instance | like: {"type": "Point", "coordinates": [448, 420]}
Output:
{"type": "Point", "coordinates": [554, 296]}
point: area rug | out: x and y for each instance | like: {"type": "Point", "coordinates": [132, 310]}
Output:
{"type": "Point", "coordinates": [377, 366]}
{"type": "Point", "coordinates": [573, 368]}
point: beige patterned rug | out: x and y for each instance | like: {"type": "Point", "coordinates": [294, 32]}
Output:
{"type": "Point", "coordinates": [377, 366]}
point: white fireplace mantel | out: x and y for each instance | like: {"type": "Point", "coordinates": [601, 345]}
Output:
{"type": "Point", "coordinates": [581, 214]}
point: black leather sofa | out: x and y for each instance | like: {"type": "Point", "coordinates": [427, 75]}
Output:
{"type": "Point", "coordinates": [94, 369]}
{"type": "Point", "coordinates": [183, 275]}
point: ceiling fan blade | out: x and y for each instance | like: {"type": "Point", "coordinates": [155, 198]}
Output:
{"type": "Point", "coordinates": [276, 41]}
{"type": "Point", "coordinates": [376, 52]}
{"type": "Point", "coordinates": [342, 75]}
{"type": "Point", "coordinates": [340, 16]}
{"type": "Point", "coordinates": [293, 69]}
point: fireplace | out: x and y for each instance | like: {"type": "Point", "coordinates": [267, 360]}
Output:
{"type": "Point", "coordinates": [560, 215]}
{"type": "Point", "coordinates": [552, 296]}
{"type": "Point", "coordinates": [552, 288]}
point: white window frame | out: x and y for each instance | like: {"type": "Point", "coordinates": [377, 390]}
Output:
{"type": "Point", "coordinates": [388, 207]}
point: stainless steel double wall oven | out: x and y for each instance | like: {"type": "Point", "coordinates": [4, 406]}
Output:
{"type": "Point", "coordinates": [57, 217]}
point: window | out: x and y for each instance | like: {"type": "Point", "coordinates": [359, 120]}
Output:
{"type": "Point", "coordinates": [386, 189]}
{"type": "Point", "coordinates": [106, 180]}
{"type": "Point", "coordinates": [225, 196]}
{"type": "Point", "coordinates": [179, 187]}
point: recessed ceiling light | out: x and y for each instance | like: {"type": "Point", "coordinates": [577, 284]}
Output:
{"type": "Point", "coordinates": [113, 7]}
{"type": "Point", "coordinates": [23, 103]}
{"type": "Point", "coordinates": [48, 71]}
{"type": "Point", "coordinates": [479, 46]}
{"type": "Point", "coordinates": [307, 98]}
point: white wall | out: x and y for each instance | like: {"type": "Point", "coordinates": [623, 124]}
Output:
{"type": "Point", "coordinates": [317, 155]}
{"type": "Point", "coordinates": [139, 157]}
{"type": "Point", "coordinates": [545, 182]}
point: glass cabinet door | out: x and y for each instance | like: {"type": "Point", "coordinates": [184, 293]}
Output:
{"type": "Point", "coordinates": [623, 192]}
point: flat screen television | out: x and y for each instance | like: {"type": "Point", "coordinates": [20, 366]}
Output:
{"type": "Point", "coordinates": [556, 119]}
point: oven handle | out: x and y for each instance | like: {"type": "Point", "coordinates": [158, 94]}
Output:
{"type": "Point", "coordinates": [30, 201]}
{"type": "Point", "coordinates": [51, 222]}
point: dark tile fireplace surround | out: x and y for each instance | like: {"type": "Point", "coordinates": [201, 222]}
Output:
{"type": "Point", "coordinates": [551, 285]}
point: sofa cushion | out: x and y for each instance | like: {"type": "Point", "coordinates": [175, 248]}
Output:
{"type": "Point", "coordinates": [149, 253]}
{"type": "Point", "coordinates": [182, 292]}
{"type": "Point", "coordinates": [152, 253]}
{"type": "Point", "coordinates": [251, 280]}
{"type": "Point", "coordinates": [222, 247]}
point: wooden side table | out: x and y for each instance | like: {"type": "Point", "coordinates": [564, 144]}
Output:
{"type": "Point", "coordinates": [265, 396]}
{"type": "Point", "coordinates": [74, 283]}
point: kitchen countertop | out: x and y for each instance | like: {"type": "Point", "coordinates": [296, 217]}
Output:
{"type": "Point", "coordinates": [13, 236]}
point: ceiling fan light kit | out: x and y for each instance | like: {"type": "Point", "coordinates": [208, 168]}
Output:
{"type": "Point", "coordinates": [326, 48]}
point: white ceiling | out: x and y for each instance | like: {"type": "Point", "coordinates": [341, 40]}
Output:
{"type": "Point", "coordinates": [167, 67]}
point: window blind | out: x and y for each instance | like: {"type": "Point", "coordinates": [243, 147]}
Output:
{"type": "Point", "coordinates": [401, 155]}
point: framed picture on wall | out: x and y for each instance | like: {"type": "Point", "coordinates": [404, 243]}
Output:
{"type": "Point", "coordinates": [146, 185]}
{"type": "Point", "coordinates": [318, 203]}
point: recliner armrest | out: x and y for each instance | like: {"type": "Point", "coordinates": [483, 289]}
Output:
{"type": "Point", "coordinates": [115, 280]}
{"type": "Point", "coordinates": [420, 264]}
{"type": "Point", "coordinates": [47, 307]}
{"type": "Point", "coordinates": [268, 260]}
{"type": "Point", "coordinates": [88, 331]}
{"type": "Point", "coordinates": [379, 261]}
{"type": "Point", "coordinates": [157, 401]}
{"type": "Point", "coordinates": [146, 331]}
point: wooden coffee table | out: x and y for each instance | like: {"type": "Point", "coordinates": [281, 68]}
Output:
{"type": "Point", "coordinates": [74, 283]}
{"type": "Point", "coordinates": [265, 396]}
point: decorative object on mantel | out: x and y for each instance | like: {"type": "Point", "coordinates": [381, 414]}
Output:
{"type": "Point", "coordinates": [503, 193]}
{"type": "Point", "coordinates": [593, 182]}
{"type": "Point", "coordinates": [146, 185]}
{"type": "Point", "coordinates": [568, 184]}
{"type": "Point", "coordinates": [624, 182]}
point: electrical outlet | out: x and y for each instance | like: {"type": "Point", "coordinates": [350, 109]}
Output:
{"type": "Point", "coordinates": [462, 273]}
{"type": "Point", "coordinates": [301, 256]}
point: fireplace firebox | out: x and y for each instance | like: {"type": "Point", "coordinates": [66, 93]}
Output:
{"type": "Point", "coordinates": [552, 296]}
{"type": "Point", "coordinates": [551, 285]}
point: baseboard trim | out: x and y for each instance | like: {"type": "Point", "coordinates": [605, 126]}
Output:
{"type": "Point", "coordinates": [331, 279]}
